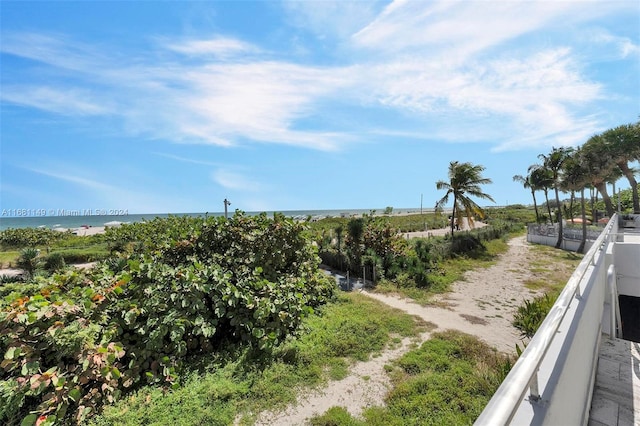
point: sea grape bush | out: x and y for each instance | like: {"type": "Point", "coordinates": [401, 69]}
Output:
{"type": "Point", "coordinates": [30, 237]}
{"type": "Point", "coordinates": [79, 339]}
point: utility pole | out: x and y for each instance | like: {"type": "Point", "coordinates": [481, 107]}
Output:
{"type": "Point", "coordinates": [226, 203]}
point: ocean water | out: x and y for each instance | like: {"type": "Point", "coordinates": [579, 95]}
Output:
{"type": "Point", "coordinates": [76, 219]}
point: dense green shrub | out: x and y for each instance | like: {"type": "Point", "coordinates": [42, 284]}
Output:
{"type": "Point", "coordinates": [192, 285]}
{"type": "Point", "coordinates": [30, 237]}
{"type": "Point", "coordinates": [54, 262]}
{"type": "Point", "coordinates": [71, 256]}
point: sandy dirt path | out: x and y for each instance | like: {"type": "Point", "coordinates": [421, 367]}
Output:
{"type": "Point", "coordinates": [482, 304]}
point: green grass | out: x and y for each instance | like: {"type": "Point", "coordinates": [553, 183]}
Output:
{"type": "Point", "coordinates": [241, 382]}
{"type": "Point", "coordinates": [84, 254]}
{"type": "Point", "coordinates": [452, 270]}
{"type": "Point", "coordinates": [75, 249]}
{"type": "Point", "coordinates": [8, 258]}
{"type": "Point", "coordinates": [551, 268]}
{"type": "Point", "coordinates": [448, 380]}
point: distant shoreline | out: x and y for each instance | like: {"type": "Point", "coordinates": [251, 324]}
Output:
{"type": "Point", "coordinates": [94, 221]}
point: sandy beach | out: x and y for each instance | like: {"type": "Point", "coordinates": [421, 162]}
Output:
{"type": "Point", "coordinates": [92, 230]}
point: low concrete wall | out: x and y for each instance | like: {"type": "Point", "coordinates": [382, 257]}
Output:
{"type": "Point", "coordinates": [548, 235]}
{"type": "Point", "coordinates": [571, 245]}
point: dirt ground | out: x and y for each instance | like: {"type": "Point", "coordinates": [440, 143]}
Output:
{"type": "Point", "coordinates": [483, 304]}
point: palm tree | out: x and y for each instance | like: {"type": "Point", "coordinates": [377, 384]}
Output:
{"type": "Point", "coordinates": [526, 183]}
{"type": "Point", "coordinates": [576, 178]}
{"type": "Point", "coordinates": [600, 165]}
{"type": "Point", "coordinates": [542, 179]}
{"type": "Point", "coordinates": [464, 181]}
{"type": "Point", "coordinates": [29, 261]}
{"type": "Point", "coordinates": [623, 143]}
{"type": "Point", "coordinates": [553, 162]}
{"type": "Point", "coordinates": [355, 231]}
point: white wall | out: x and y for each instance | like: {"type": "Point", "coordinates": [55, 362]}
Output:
{"type": "Point", "coordinates": [627, 257]}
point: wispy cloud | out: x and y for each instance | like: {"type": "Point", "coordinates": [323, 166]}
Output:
{"type": "Point", "coordinates": [459, 28]}
{"type": "Point", "coordinates": [187, 160]}
{"type": "Point", "coordinates": [215, 102]}
{"type": "Point", "coordinates": [233, 180]}
{"type": "Point", "coordinates": [60, 101]}
{"type": "Point", "coordinates": [97, 194]}
{"type": "Point", "coordinates": [72, 178]}
{"type": "Point", "coordinates": [218, 46]}
{"type": "Point", "coordinates": [421, 59]}
{"type": "Point", "coordinates": [622, 46]}
{"type": "Point", "coordinates": [332, 19]}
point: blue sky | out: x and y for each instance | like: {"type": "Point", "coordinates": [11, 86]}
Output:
{"type": "Point", "coordinates": [171, 106]}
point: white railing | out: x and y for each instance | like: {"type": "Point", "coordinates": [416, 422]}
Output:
{"type": "Point", "coordinates": [524, 396]}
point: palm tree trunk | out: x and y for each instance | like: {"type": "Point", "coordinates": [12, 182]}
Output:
{"type": "Point", "coordinates": [624, 167]}
{"type": "Point", "coordinates": [602, 189]}
{"type": "Point", "coordinates": [583, 242]}
{"type": "Point", "coordinates": [546, 196]}
{"type": "Point", "coordinates": [573, 196]}
{"type": "Point", "coordinates": [535, 204]}
{"type": "Point", "coordinates": [453, 212]}
{"type": "Point", "coordinates": [559, 243]}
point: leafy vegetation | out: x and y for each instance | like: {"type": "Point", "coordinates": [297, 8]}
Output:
{"type": "Point", "coordinates": [448, 380]}
{"type": "Point", "coordinates": [551, 269]}
{"type": "Point", "coordinates": [237, 381]}
{"type": "Point", "coordinates": [464, 182]}
{"type": "Point", "coordinates": [530, 315]}
{"type": "Point", "coordinates": [31, 237]}
{"type": "Point", "coordinates": [78, 339]}
{"type": "Point", "coordinates": [603, 159]}
{"type": "Point", "coordinates": [370, 245]}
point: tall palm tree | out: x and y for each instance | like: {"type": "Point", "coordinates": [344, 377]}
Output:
{"type": "Point", "coordinates": [542, 179]}
{"type": "Point", "coordinates": [600, 165]}
{"type": "Point", "coordinates": [553, 162]}
{"type": "Point", "coordinates": [464, 181]}
{"type": "Point", "coordinates": [623, 143]}
{"type": "Point", "coordinates": [576, 178]}
{"type": "Point", "coordinates": [526, 183]}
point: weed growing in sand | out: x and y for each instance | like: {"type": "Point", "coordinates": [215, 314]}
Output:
{"type": "Point", "coordinates": [448, 380]}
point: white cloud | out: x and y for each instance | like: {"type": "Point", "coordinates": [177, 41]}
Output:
{"type": "Point", "coordinates": [453, 30]}
{"type": "Point", "coordinates": [78, 180]}
{"type": "Point", "coordinates": [99, 195]}
{"type": "Point", "coordinates": [331, 19]}
{"type": "Point", "coordinates": [217, 46]}
{"type": "Point", "coordinates": [235, 181]}
{"type": "Point", "coordinates": [534, 95]}
{"type": "Point", "coordinates": [622, 46]}
{"type": "Point", "coordinates": [187, 160]}
{"type": "Point", "coordinates": [212, 102]}
{"type": "Point", "coordinates": [424, 60]}
{"type": "Point", "coordinates": [60, 101]}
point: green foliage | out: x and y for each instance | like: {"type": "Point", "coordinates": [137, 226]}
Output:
{"type": "Point", "coordinates": [447, 381]}
{"type": "Point", "coordinates": [54, 262]}
{"type": "Point", "coordinates": [237, 380]}
{"type": "Point", "coordinates": [335, 416]}
{"type": "Point", "coordinates": [531, 313]}
{"type": "Point", "coordinates": [626, 201]}
{"type": "Point", "coordinates": [30, 237]}
{"type": "Point", "coordinates": [83, 255]}
{"type": "Point", "coordinates": [190, 286]}
{"type": "Point", "coordinates": [29, 261]}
